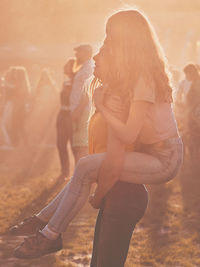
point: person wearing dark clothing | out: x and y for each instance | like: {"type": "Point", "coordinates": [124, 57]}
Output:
{"type": "Point", "coordinates": [64, 122]}
{"type": "Point", "coordinates": [193, 110]}
{"type": "Point", "coordinates": [121, 210]}
{"type": "Point", "coordinates": [192, 74]}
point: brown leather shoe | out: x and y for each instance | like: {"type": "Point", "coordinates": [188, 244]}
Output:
{"type": "Point", "coordinates": [27, 227]}
{"type": "Point", "coordinates": [36, 246]}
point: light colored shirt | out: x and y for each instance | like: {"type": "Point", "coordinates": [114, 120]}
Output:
{"type": "Point", "coordinates": [160, 123]}
{"type": "Point", "coordinates": [182, 91]}
{"type": "Point", "coordinates": [78, 83]}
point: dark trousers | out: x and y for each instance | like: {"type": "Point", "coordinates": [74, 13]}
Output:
{"type": "Point", "coordinates": [122, 209]}
{"type": "Point", "coordinates": [64, 134]}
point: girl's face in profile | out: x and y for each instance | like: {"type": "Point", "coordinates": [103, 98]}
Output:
{"type": "Point", "coordinates": [101, 64]}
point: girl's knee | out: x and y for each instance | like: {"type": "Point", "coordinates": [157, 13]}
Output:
{"type": "Point", "coordinates": [86, 170]}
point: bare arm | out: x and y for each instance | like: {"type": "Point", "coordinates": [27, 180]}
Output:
{"type": "Point", "coordinates": [127, 131]}
{"type": "Point", "coordinates": [111, 168]}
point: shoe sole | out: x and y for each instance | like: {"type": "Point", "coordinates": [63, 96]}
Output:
{"type": "Point", "coordinates": [22, 256]}
{"type": "Point", "coordinates": [25, 233]}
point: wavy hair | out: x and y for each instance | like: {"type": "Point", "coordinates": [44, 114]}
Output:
{"type": "Point", "coordinates": [133, 50]}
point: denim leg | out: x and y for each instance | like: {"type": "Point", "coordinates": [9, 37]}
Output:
{"type": "Point", "coordinates": [124, 206]}
{"type": "Point", "coordinates": [47, 212]}
{"type": "Point", "coordinates": [86, 169]}
{"type": "Point", "coordinates": [76, 193]}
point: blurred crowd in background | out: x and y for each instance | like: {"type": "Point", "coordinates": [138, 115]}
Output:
{"type": "Point", "coordinates": [27, 109]}
{"type": "Point", "coordinates": [32, 63]}
{"type": "Point", "coordinates": [29, 104]}
{"type": "Point", "coordinates": [187, 108]}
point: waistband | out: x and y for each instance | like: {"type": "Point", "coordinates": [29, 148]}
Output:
{"type": "Point", "coordinates": [166, 142]}
{"type": "Point", "coordinates": [163, 143]}
{"type": "Point", "coordinates": [174, 140]}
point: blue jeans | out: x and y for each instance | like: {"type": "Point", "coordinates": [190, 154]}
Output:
{"type": "Point", "coordinates": [158, 163]}
{"type": "Point", "coordinates": [122, 209]}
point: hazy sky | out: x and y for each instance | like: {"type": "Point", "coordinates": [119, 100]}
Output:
{"type": "Point", "coordinates": [41, 21]}
{"type": "Point", "coordinates": [64, 23]}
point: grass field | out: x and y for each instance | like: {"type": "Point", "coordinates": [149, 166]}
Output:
{"type": "Point", "coordinates": [168, 235]}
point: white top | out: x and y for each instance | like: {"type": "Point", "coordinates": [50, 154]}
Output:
{"type": "Point", "coordinates": [78, 83]}
{"type": "Point", "coordinates": [182, 91]}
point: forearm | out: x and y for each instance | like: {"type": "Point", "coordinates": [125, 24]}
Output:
{"type": "Point", "coordinates": [119, 127]}
{"type": "Point", "coordinates": [113, 162]}
{"type": "Point", "coordinates": [128, 130]}
{"type": "Point", "coordinates": [111, 167]}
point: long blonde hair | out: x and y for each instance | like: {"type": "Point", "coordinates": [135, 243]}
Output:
{"type": "Point", "coordinates": [134, 52]}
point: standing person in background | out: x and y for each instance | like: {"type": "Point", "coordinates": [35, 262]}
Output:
{"type": "Point", "coordinates": [45, 105]}
{"type": "Point", "coordinates": [18, 91]}
{"type": "Point", "coordinates": [64, 122]}
{"type": "Point", "coordinates": [181, 105]}
{"type": "Point", "coordinates": [192, 75]}
{"type": "Point", "coordinates": [180, 101]}
{"type": "Point", "coordinates": [192, 107]}
{"type": "Point", "coordinates": [183, 87]}
{"type": "Point", "coordinates": [79, 102]}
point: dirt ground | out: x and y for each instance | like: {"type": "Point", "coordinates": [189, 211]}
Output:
{"type": "Point", "coordinates": [168, 235]}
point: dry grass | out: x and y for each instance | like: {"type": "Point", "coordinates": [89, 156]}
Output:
{"type": "Point", "coordinates": [23, 178]}
{"type": "Point", "coordinates": [168, 235]}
